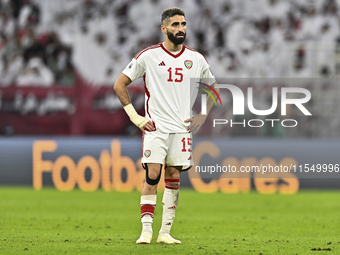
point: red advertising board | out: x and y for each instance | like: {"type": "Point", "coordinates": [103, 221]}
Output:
{"type": "Point", "coordinates": [82, 109]}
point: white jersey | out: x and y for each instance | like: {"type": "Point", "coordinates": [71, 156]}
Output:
{"type": "Point", "coordinates": [170, 83]}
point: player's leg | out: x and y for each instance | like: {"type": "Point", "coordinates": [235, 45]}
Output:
{"type": "Point", "coordinates": [178, 159]}
{"type": "Point", "coordinates": [148, 200]}
{"type": "Point", "coordinates": [170, 202]}
{"type": "Point", "coordinates": [152, 178]}
{"type": "Point", "coordinates": [154, 152]}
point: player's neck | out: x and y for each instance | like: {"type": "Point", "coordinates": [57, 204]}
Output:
{"type": "Point", "coordinates": [171, 46]}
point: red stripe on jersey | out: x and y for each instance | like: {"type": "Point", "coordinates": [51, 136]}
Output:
{"type": "Point", "coordinates": [148, 95]}
{"type": "Point", "coordinates": [147, 101]}
{"type": "Point", "coordinates": [197, 52]}
{"type": "Point", "coordinates": [146, 49]}
{"type": "Point", "coordinates": [147, 209]}
{"type": "Point", "coordinates": [172, 55]}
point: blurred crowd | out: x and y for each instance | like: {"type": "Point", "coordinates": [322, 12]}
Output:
{"type": "Point", "coordinates": [43, 42]}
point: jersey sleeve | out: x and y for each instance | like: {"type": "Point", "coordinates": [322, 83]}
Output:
{"type": "Point", "coordinates": [207, 76]}
{"type": "Point", "coordinates": [134, 70]}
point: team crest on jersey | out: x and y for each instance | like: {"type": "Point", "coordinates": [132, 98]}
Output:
{"type": "Point", "coordinates": [188, 64]}
{"type": "Point", "coordinates": [147, 153]}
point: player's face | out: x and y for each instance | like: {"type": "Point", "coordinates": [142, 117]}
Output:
{"type": "Point", "coordinates": [176, 29]}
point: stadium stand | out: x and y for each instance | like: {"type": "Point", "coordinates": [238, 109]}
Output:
{"type": "Point", "coordinates": [58, 47]}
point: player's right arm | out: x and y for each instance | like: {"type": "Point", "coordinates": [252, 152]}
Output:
{"type": "Point", "coordinates": [121, 91]}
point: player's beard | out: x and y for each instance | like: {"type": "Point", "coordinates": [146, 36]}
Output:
{"type": "Point", "coordinates": [174, 39]}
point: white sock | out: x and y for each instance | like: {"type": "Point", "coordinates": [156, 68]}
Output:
{"type": "Point", "coordinates": [147, 223]}
{"type": "Point", "coordinates": [147, 206]}
{"type": "Point", "coordinates": [170, 202]}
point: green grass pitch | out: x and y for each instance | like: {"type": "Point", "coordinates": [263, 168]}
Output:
{"type": "Point", "coordinates": [76, 222]}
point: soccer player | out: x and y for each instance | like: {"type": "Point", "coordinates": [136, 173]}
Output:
{"type": "Point", "coordinates": [166, 69]}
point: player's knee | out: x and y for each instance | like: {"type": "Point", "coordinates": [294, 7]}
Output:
{"type": "Point", "coordinates": [175, 175]}
{"type": "Point", "coordinates": [152, 177]}
{"type": "Point", "coordinates": [173, 172]}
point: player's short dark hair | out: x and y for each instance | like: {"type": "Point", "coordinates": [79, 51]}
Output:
{"type": "Point", "coordinates": [168, 13]}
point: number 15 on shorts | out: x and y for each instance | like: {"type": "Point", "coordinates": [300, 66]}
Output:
{"type": "Point", "coordinates": [186, 144]}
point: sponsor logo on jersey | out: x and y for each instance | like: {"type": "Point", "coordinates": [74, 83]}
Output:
{"type": "Point", "coordinates": [161, 64]}
{"type": "Point", "coordinates": [147, 153]}
{"type": "Point", "coordinates": [172, 207]}
{"type": "Point", "coordinates": [168, 224]}
{"type": "Point", "coordinates": [188, 64]}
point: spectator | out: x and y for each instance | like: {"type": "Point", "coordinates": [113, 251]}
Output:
{"type": "Point", "coordinates": [311, 24]}
{"type": "Point", "coordinates": [235, 34]}
{"type": "Point", "coordinates": [36, 74]}
{"type": "Point", "coordinates": [276, 9]}
{"type": "Point", "coordinates": [59, 58]}
{"type": "Point", "coordinates": [301, 70]}
{"type": "Point", "coordinates": [10, 68]}
{"type": "Point", "coordinates": [325, 51]}
{"type": "Point", "coordinates": [29, 14]}
{"type": "Point", "coordinates": [33, 47]}
{"type": "Point", "coordinates": [248, 58]}
{"type": "Point", "coordinates": [7, 23]}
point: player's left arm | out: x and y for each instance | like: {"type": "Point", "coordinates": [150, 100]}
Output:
{"type": "Point", "coordinates": [198, 120]}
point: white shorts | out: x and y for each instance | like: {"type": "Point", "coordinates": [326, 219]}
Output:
{"type": "Point", "coordinates": [174, 149]}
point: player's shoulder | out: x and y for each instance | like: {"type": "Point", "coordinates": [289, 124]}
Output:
{"type": "Point", "coordinates": [147, 51]}
{"type": "Point", "coordinates": [195, 53]}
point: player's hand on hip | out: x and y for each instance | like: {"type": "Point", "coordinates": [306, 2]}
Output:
{"type": "Point", "coordinates": [196, 122]}
{"type": "Point", "coordinates": [148, 127]}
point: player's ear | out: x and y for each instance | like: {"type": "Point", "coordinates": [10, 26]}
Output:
{"type": "Point", "coordinates": [163, 29]}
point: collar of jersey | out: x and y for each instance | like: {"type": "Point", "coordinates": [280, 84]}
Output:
{"type": "Point", "coordinates": [173, 55]}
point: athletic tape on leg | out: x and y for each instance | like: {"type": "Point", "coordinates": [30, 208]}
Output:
{"type": "Point", "coordinates": [151, 181]}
